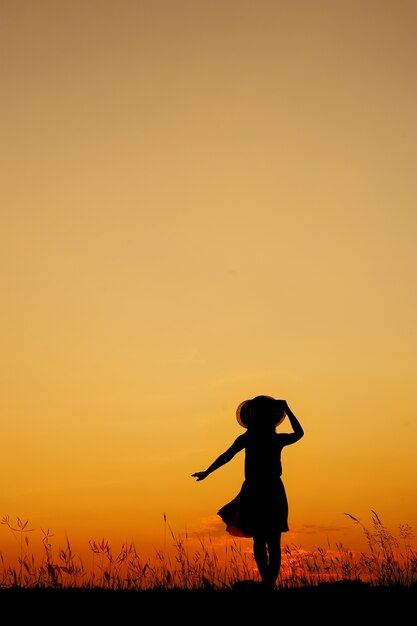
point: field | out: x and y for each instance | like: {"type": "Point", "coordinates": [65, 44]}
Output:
{"type": "Point", "coordinates": [325, 585]}
{"type": "Point", "coordinates": [330, 604]}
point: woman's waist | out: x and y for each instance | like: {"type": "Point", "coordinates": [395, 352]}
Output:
{"type": "Point", "coordinates": [263, 480]}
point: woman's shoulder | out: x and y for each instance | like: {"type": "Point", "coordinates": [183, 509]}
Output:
{"type": "Point", "coordinates": [240, 441]}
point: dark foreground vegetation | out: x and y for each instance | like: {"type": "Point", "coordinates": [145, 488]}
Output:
{"type": "Point", "coordinates": [323, 586]}
{"type": "Point", "coordinates": [332, 603]}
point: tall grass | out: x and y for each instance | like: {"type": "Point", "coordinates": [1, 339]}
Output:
{"type": "Point", "coordinates": [389, 561]}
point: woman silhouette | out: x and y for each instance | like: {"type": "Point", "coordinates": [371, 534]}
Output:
{"type": "Point", "coordinates": [260, 510]}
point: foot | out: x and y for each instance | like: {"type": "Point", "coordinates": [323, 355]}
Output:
{"type": "Point", "coordinates": [267, 584]}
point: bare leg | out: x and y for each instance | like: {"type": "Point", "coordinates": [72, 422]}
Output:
{"type": "Point", "coordinates": [261, 556]}
{"type": "Point", "coordinates": [274, 550]}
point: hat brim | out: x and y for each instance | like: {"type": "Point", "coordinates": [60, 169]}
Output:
{"type": "Point", "coordinates": [243, 412]}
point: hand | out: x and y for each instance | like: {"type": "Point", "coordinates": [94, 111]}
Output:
{"type": "Point", "coordinates": [199, 475]}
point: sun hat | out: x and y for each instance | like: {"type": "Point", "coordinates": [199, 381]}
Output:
{"type": "Point", "coordinates": [248, 409]}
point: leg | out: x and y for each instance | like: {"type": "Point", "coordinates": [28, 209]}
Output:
{"type": "Point", "coordinates": [274, 550]}
{"type": "Point", "coordinates": [261, 556]}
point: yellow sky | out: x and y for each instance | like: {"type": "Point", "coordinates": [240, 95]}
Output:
{"type": "Point", "coordinates": [203, 201]}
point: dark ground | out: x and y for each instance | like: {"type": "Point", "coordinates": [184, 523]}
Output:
{"type": "Point", "coordinates": [327, 604]}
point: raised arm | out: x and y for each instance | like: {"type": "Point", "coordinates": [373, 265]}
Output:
{"type": "Point", "coordinates": [224, 458]}
{"type": "Point", "coordinates": [298, 431]}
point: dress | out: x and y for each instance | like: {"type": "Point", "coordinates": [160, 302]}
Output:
{"type": "Point", "coordinates": [261, 507]}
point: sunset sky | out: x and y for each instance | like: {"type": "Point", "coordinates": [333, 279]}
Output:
{"type": "Point", "coordinates": [203, 201]}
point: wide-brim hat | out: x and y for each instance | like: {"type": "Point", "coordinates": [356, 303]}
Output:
{"type": "Point", "coordinates": [246, 411]}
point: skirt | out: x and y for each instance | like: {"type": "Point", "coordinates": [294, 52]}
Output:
{"type": "Point", "coordinates": [257, 510]}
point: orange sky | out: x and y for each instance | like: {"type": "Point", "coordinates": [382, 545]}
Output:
{"type": "Point", "coordinates": [203, 201]}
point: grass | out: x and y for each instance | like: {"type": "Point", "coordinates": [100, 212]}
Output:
{"type": "Point", "coordinates": [390, 561]}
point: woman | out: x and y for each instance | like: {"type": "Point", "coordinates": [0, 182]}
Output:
{"type": "Point", "coordinates": [260, 510]}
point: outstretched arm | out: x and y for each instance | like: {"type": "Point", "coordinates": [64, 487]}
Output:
{"type": "Point", "coordinates": [224, 458]}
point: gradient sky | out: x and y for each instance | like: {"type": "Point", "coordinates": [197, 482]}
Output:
{"type": "Point", "coordinates": [203, 201]}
